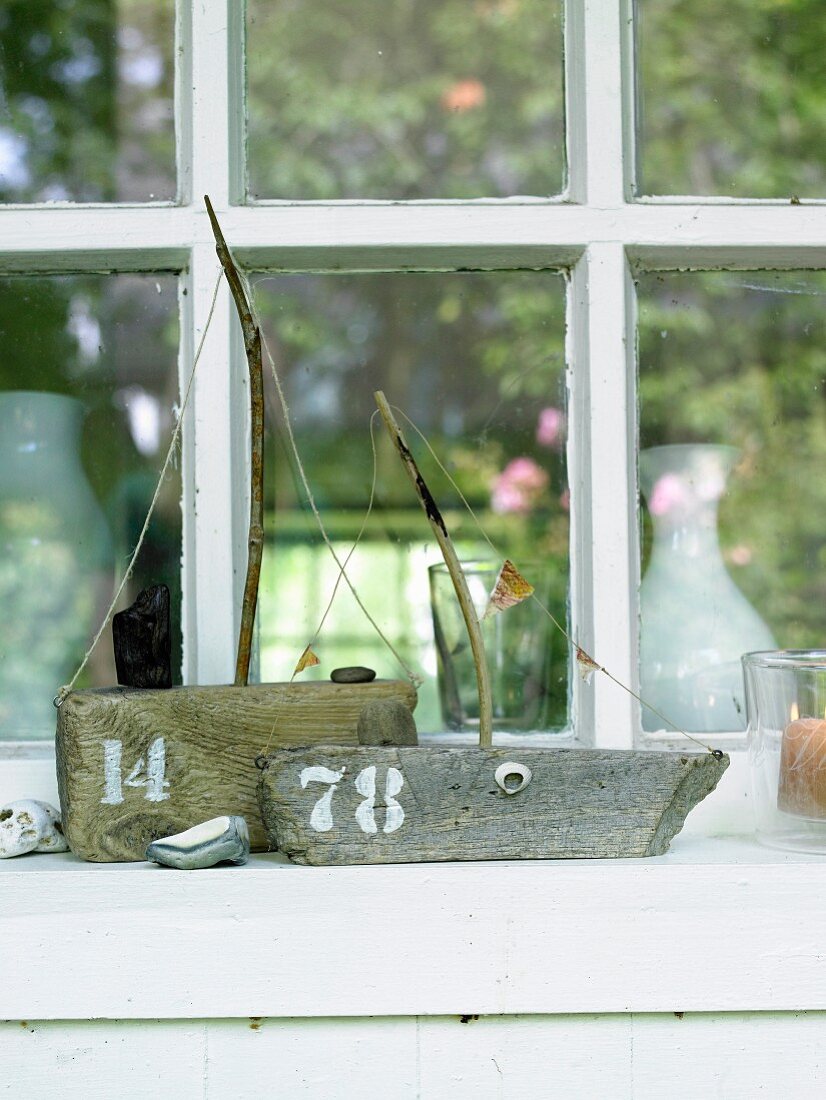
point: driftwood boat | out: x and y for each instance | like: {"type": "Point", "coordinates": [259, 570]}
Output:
{"type": "Point", "coordinates": [409, 805]}
{"type": "Point", "coordinates": [398, 805]}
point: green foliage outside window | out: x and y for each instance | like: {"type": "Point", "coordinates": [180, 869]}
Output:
{"type": "Point", "coordinates": [732, 98]}
{"type": "Point", "coordinates": [465, 100]}
{"type": "Point", "coordinates": [393, 99]}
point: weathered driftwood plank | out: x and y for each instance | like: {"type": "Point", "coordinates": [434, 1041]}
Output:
{"type": "Point", "coordinates": [329, 806]}
{"type": "Point", "coordinates": [135, 765]}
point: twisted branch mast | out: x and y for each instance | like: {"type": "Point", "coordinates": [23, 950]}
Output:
{"type": "Point", "coordinates": [255, 540]}
{"type": "Point", "coordinates": [437, 525]}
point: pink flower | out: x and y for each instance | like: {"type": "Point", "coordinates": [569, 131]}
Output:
{"type": "Point", "coordinates": [668, 493]}
{"type": "Point", "coordinates": [550, 428]}
{"type": "Point", "coordinates": [519, 486]}
{"type": "Point", "coordinates": [464, 95]}
{"type": "Point", "coordinates": [740, 555]}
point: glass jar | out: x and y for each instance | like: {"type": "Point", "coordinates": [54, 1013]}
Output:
{"type": "Point", "coordinates": [528, 675]}
{"type": "Point", "coordinates": [786, 711]}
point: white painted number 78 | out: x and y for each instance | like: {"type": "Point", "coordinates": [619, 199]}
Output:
{"type": "Point", "coordinates": [321, 818]}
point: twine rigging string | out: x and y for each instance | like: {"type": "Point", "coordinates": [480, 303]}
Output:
{"type": "Point", "coordinates": [416, 680]}
{"type": "Point", "coordinates": [413, 677]}
{"type": "Point", "coordinates": [170, 454]}
{"type": "Point", "coordinates": [585, 659]}
{"type": "Point", "coordinates": [341, 574]}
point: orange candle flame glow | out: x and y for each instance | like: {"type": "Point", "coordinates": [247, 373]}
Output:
{"type": "Point", "coordinates": [802, 787]}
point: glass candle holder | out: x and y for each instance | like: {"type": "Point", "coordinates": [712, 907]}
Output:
{"type": "Point", "coordinates": [786, 711]}
{"type": "Point", "coordinates": [529, 692]}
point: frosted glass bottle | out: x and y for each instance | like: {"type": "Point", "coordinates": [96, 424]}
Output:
{"type": "Point", "coordinates": [55, 552]}
{"type": "Point", "coordinates": [695, 621]}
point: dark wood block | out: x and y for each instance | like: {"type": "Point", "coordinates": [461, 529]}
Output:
{"type": "Point", "coordinates": [142, 640]}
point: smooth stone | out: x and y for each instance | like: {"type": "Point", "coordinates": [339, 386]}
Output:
{"type": "Point", "coordinates": [219, 840]}
{"type": "Point", "coordinates": [353, 674]}
{"type": "Point", "coordinates": [28, 825]}
{"type": "Point", "coordinates": [386, 722]}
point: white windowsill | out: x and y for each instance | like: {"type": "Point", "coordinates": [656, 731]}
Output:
{"type": "Point", "coordinates": [715, 925]}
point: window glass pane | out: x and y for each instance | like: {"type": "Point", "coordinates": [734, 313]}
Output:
{"type": "Point", "coordinates": [732, 98]}
{"type": "Point", "coordinates": [86, 101]}
{"type": "Point", "coordinates": [88, 380]}
{"type": "Point", "coordinates": [732, 417]}
{"type": "Point", "coordinates": [477, 361]}
{"type": "Point", "coordinates": [388, 99]}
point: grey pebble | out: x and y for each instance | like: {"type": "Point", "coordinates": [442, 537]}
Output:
{"type": "Point", "coordinates": [353, 674]}
{"type": "Point", "coordinates": [219, 840]}
{"type": "Point", "coordinates": [386, 722]}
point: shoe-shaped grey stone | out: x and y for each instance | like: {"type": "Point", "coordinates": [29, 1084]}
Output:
{"type": "Point", "coordinates": [220, 840]}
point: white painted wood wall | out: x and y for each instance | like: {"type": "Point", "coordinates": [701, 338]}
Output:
{"type": "Point", "coordinates": [740, 1056]}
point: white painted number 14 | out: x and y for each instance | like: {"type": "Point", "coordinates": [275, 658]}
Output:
{"type": "Point", "coordinates": [154, 772]}
{"type": "Point", "coordinates": [321, 819]}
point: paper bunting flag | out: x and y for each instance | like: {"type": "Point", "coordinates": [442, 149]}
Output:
{"type": "Point", "coordinates": [586, 664]}
{"type": "Point", "coordinates": [510, 588]}
{"type": "Point", "coordinates": [306, 660]}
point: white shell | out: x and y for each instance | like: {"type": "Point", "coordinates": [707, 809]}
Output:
{"type": "Point", "coordinates": [508, 769]}
{"type": "Point", "coordinates": [29, 826]}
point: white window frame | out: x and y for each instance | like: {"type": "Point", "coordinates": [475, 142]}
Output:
{"type": "Point", "coordinates": [596, 230]}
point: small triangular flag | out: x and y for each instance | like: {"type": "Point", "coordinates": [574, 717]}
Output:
{"type": "Point", "coordinates": [511, 588]}
{"type": "Point", "coordinates": [306, 660]}
{"type": "Point", "coordinates": [586, 664]}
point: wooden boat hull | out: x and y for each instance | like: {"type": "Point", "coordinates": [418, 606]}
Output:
{"type": "Point", "coordinates": [134, 764]}
{"type": "Point", "coordinates": [330, 806]}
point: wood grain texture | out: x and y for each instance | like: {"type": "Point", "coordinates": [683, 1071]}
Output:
{"type": "Point", "coordinates": [387, 722]}
{"type": "Point", "coordinates": [580, 804]}
{"type": "Point", "coordinates": [210, 737]}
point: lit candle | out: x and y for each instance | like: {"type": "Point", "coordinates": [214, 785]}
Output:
{"type": "Point", "coordinates": [802, 789]}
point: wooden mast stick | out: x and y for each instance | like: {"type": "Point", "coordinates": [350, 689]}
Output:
{"type": "Point", "coordinates": [255, 541]}
{"type": "Point", "coordinates": [437, 525]}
